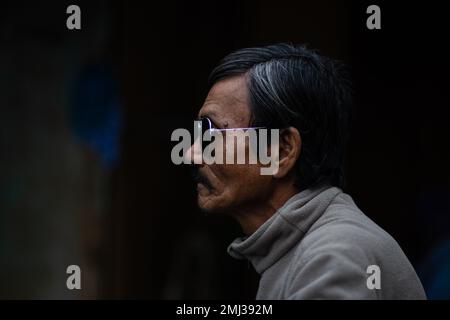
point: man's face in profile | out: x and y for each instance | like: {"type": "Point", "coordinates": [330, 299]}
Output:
{"type": "Point", "coordinates": [229, 187]}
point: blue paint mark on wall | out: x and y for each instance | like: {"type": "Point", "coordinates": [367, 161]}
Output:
{"type": "Point", "coordinates": [96, 114]}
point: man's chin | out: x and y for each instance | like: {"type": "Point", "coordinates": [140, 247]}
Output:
{"type": "Point", "coordinates": [207, 204]}
{"type": "Point", "coordinates": [210, 203]}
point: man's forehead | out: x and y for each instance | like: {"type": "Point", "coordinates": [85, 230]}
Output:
{"type": "Point", "coordinates": [227, 98]}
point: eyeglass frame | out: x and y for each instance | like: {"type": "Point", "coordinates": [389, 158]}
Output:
{"type": "Point", "coordinates": [211, 128]}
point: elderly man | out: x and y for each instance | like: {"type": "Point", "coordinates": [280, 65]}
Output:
{"type": "Point", "coordinates": [303, 234]}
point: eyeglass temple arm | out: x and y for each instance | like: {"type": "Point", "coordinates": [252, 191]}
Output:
{"type": "Point", "coordinates": [230, 129]}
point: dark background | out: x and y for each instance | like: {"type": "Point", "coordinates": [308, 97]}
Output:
{"type": "Point", "coordinates": [86, 117]}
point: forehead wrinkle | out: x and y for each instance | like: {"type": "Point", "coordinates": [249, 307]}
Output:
{"type": "Point", "coordinates": [230, 93]}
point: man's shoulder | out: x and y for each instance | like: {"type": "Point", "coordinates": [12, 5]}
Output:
{"type": "Point", "coordinates": [341, 247]}
{"type": "Point", "coordinates": [345, 228]}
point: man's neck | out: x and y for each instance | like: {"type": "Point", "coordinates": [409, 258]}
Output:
{"type": "Point", "coordinates": [253, 216]}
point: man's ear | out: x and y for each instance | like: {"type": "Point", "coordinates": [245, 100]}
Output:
{"type": "Point", "coordinates": [290, 148]}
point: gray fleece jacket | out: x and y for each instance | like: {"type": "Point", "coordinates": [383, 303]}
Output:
{"type": "Point", "coordinates": [319, 245]}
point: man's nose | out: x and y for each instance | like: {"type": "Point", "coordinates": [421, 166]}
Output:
{"type": "Point", "coordinates": [194, 153]}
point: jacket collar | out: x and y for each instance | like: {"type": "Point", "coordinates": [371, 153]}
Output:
{"type": "Point", "coordinates": [284, 229]}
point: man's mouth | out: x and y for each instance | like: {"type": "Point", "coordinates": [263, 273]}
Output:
{"type": "Point", "coordinates": [201, 180]}
{"type": "Point", "coordinates": [202, 190]}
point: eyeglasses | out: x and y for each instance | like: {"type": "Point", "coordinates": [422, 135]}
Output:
{"type": "Point", "coordinates": [206, 124]}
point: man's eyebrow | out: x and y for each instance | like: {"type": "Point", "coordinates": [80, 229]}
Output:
{"type": "Point", "coordinates": [212, 116]}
